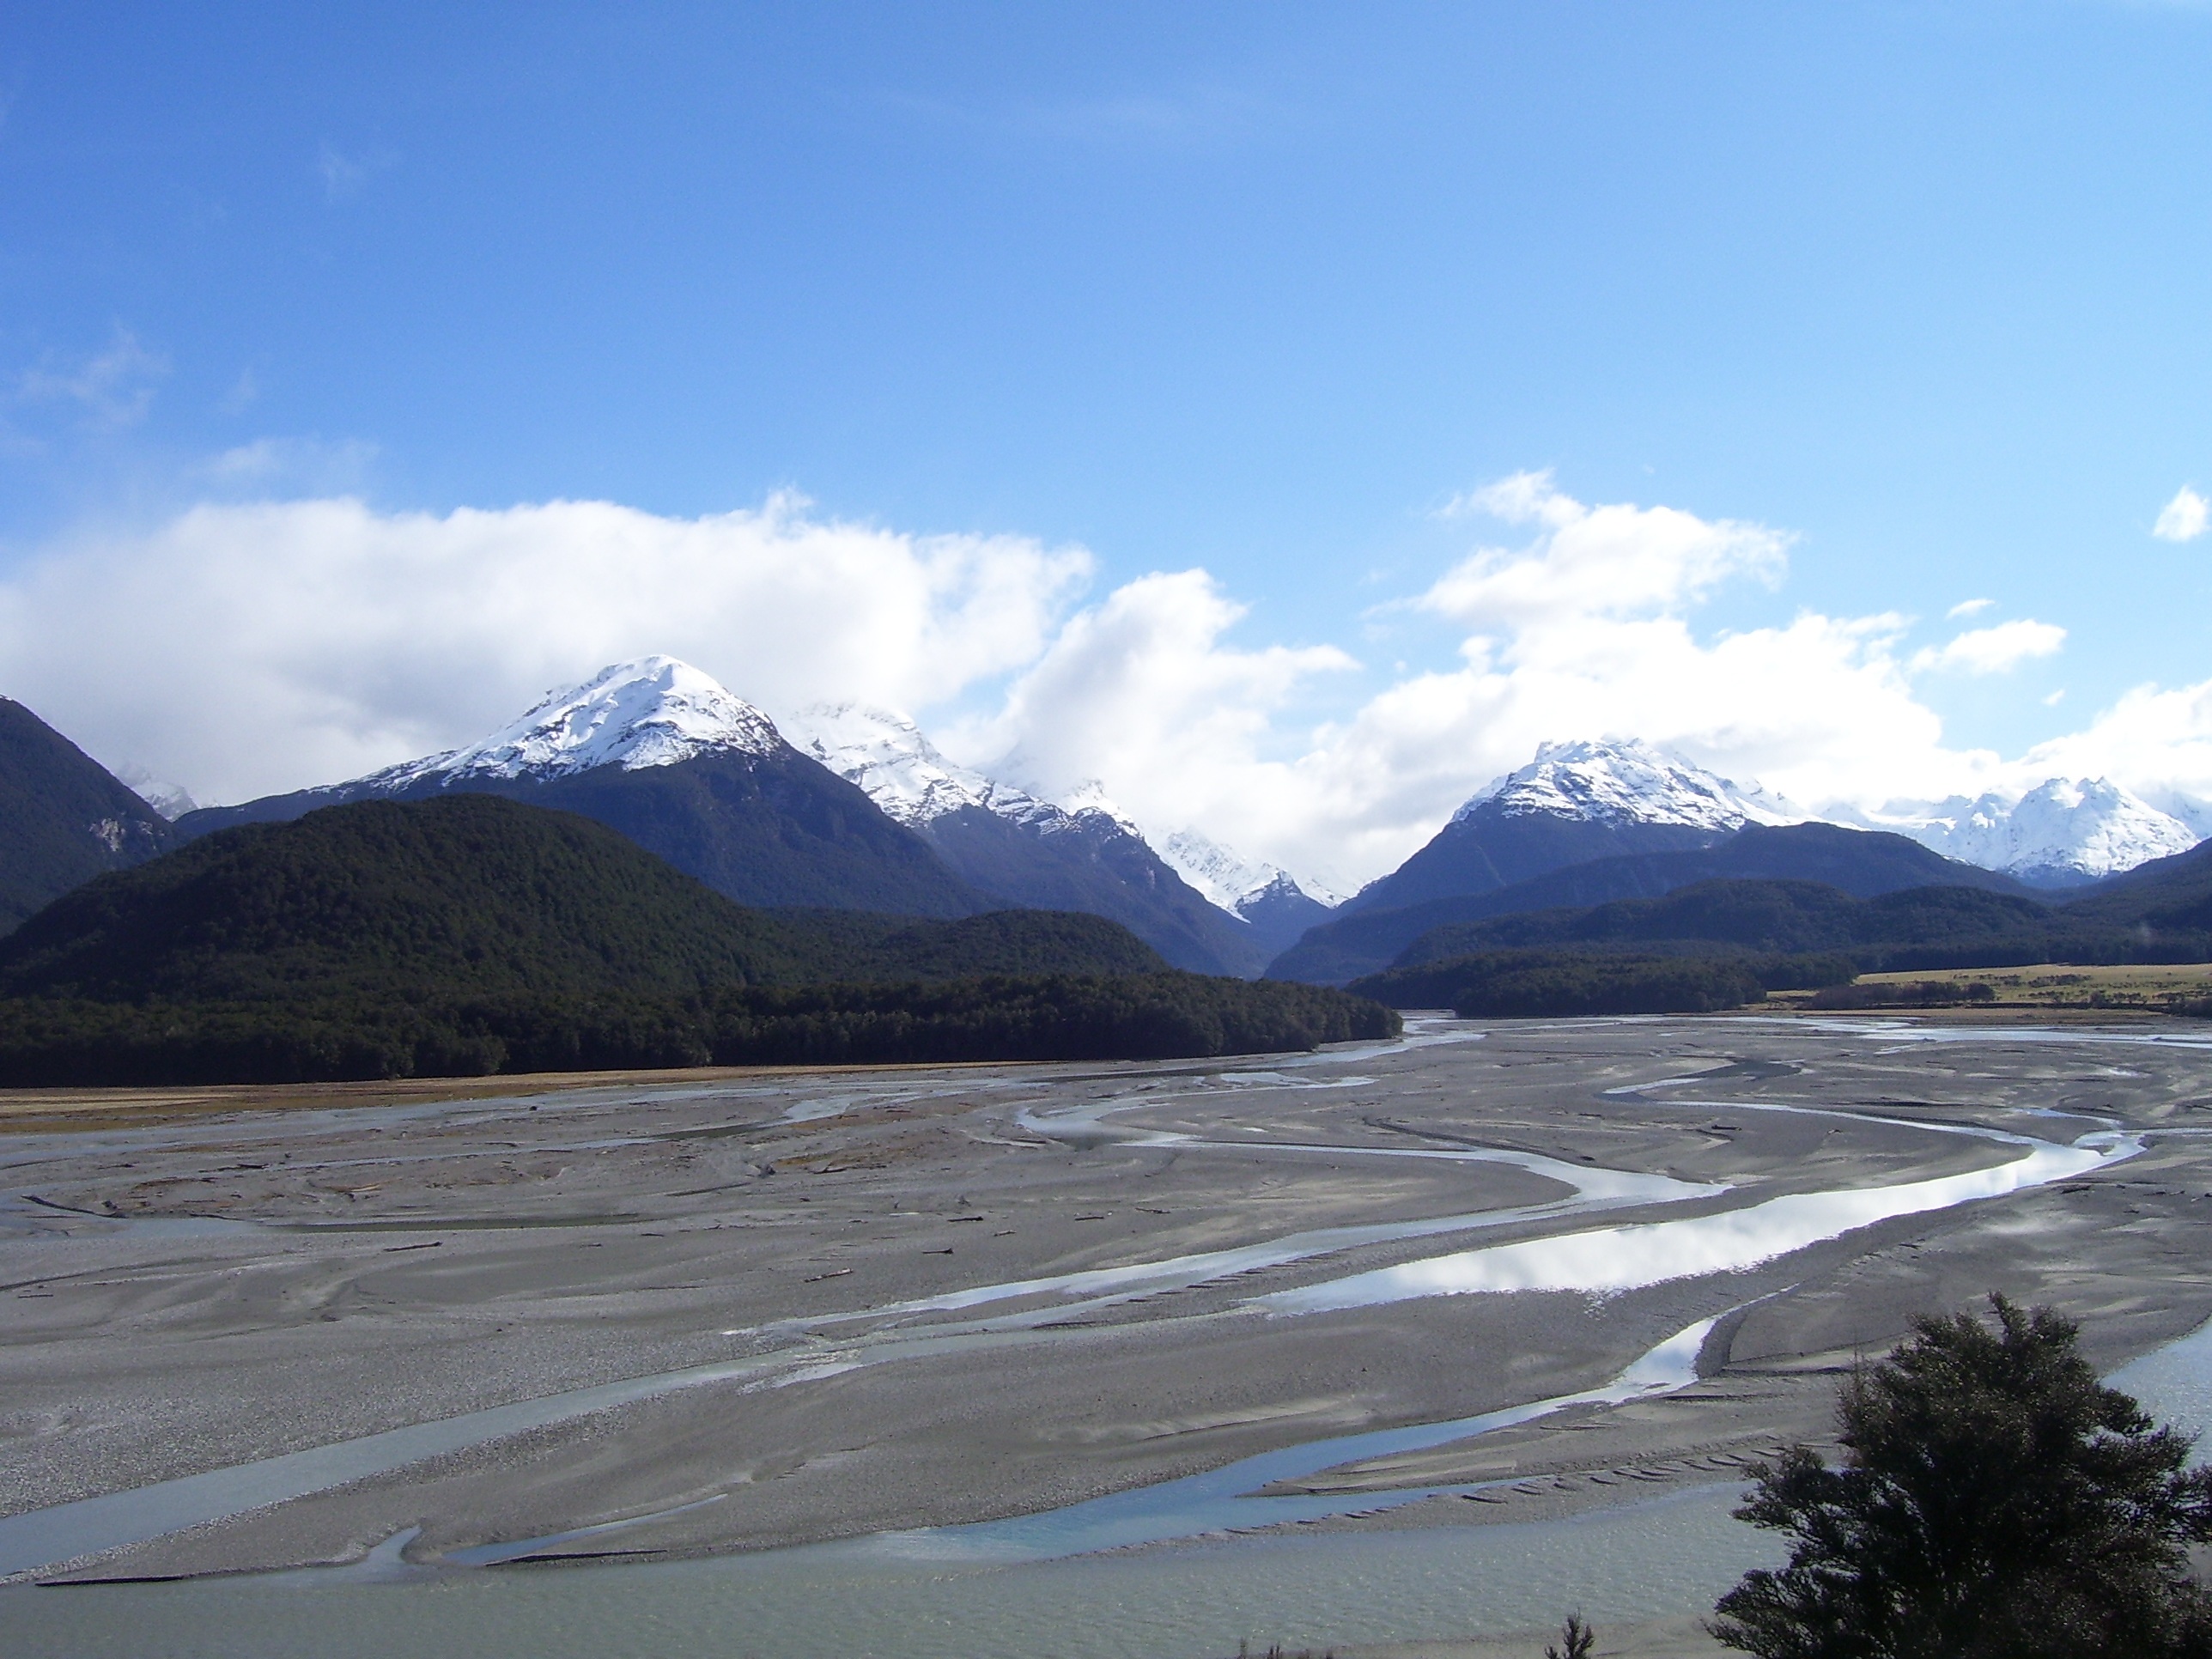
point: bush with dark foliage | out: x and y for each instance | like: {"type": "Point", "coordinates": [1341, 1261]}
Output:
{"type": "Point", "coordinates": [1918, 994]}
{"type": "Point", "coordinates": [1995, 1501]}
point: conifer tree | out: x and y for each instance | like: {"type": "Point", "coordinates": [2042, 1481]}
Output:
{"type": "Point", "coordinates": [1995, 1501]}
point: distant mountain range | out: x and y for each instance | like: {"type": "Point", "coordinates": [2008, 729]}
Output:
{"type": "Point", "coordinates": [855, 810]}
{"type": "Point", "coordinates": [2062, 833]}
{"type": "Point", "coordinates": [1589, 822]}
{"type": "Point", "coordinates": [850, 807]}
{"type": "Point", "coordinates": [1780, 929]}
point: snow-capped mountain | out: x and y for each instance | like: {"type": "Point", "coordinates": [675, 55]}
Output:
{"type": "Point", "coordinates": [1573, 803]}
{"type": "Point", "coordinates": [1231, 880]}
{"type": "Point", "coordinates": [2061, 833]}
{"type": "Point", "coordinates": [1082, 854]}
{"type": "Point", "coordinates": [655, 711]}
{"type": "Point", "coordinates": [902, 772]}
{"type": "Point", "coordinates": [1276, 905]}
{"type": "Point", "coordinates": [1627, 781]}
{"type": "Point", "coordinates": [661, 751]}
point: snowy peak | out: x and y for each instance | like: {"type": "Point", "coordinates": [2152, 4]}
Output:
{"type": "Point", "coordinates": [1232, 881]}
{"type": "Point", "coordinates": [2063, 831]}
{"type": "Point", "coordinates": [655, 711]}
{"type": "Point", "coordinates": [1626, 781]}
{"type": "Point", "coordinates": [888, 757]}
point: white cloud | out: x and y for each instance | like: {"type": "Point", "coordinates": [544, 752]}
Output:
{"type": "Point", "coordinates": [1581, 632]}
{"type": "Point", "coordinates": [1141, 692]}
{"type": "Point", "coordinates": [1604, 561]}
{"type": "Point", "coordinates": [248, 648]}
{"type": "Point", "coordinates": [304, 464]}
{"type": "Point", "coordinates": [2184, 518]}
{"type": "Point", "coordinates": [1992, 650]}
{"type": "Point", "coordinates": [1968, 608]}
{"type": "Point", "coordinates": [2156, 741]}
{"type": "Point", "coordinates": [252, 647]}
{"type": "Point", "coordinates": [114, 388]}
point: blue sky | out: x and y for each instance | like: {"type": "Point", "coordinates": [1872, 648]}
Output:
{"type": "Point", "coordinates": [1258, 289]}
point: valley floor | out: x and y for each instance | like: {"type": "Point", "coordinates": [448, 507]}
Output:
{"type": "Point", "coordinates": [672, 1317]}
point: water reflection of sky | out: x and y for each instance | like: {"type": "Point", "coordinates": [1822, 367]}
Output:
{"type": "Point", "coordinates": [1650, 1253]}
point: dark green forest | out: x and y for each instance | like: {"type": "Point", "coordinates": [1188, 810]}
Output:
{"type": "Point", "coordinates": [1915, 928]}
{"type": "Point", "coordinates": [1165, 1015]}
{"type": "Point", "coordinates": [472, 934]}
{"type": "Point", "coordinates": [1506, 984]}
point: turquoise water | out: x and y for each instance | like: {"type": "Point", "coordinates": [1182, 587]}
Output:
{"type": "Point", "coordinates": [1669, 1555]}
{"type": "Point", "coordinates": [1197, 1600]}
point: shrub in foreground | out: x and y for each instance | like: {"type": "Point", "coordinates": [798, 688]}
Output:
{"type": "Point", "coordinates": [1995, 1501]}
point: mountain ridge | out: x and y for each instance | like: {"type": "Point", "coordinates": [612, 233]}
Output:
{"type": "Point", "coordinates": [1020, 849]}
{"type": "Point", "coordinates": [64, 818]}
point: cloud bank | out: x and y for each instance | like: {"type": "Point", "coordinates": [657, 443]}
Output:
{"type": "Point", "coordinates": [244, 649]}
{"type": "Point", "coordinates": [240, 649]}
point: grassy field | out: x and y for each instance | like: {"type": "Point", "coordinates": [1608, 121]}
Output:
{"type": "Point", "coordinates": [2061, 985]}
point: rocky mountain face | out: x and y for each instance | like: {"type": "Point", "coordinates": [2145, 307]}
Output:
{"type": "Point", "coordinates": [2062, 833]}
{"type": "Point", "coordinates": [64, 818]}
{"type": "Point", "coordinates": [1019, 849]}
{"type": "Point", "coordinates": [661, 752]}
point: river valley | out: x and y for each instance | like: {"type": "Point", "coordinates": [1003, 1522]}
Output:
{"type": "Point", "coordinates": [1421, 1341]}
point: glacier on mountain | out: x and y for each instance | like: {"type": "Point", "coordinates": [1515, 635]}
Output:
{"type": "Point", "coordinates": [1627, 781]}
{"type": "Point", "coordinates": [2061, 833]}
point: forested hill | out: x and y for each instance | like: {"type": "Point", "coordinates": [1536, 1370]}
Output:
{"type": "Point", "coordinates": [478, 895]}
{"type": "Point", "coordinates": [473, 933]}
{"type": "Point", "coordinates": [1750, 934]}
{"type": "Point", "coordinates": [1780, 916]}
{"type": "Point", "coordinates": [1863, 863]}
{"type": "Point", "coordinates": [2169, 894]}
